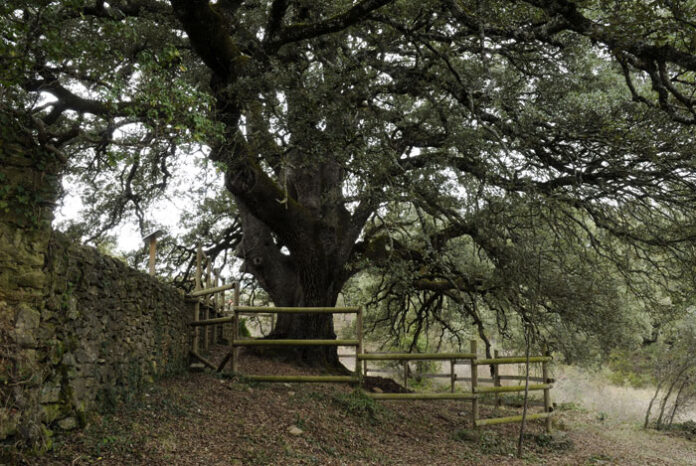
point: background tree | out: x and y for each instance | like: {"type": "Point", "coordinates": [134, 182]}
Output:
{"type": "Point", "coordinates": [673, 370]}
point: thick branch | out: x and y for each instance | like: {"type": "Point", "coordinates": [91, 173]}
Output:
{"type": "Point", "coordinates": [210, 36]}
{"type": "Point", "coordinates": [577, 22]}
{"type": "Point", "coordinates": [275, 17]}
{"type": "Point", "coordinates": [298, 32]}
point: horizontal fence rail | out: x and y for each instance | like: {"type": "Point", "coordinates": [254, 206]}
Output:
{"type": "Point", "coordinates": [413, 356]}
{"type": "Point", "coordinates": [513, 388]}
{"type": "Point", "coordinates": [515, 360]}
{"type": "Point", "coordinates": [295, 343]}
{"type": "Point", "coordinates": [511, 419]}
{"type": "Point", "coordinates": [421, 396]}
{"type": "Point", "coordinates": [207, 291]}
{"type": "Point", "coordinates": [522, 377]}
{"type": "Point", "coordinates": [295, 310]}
{"type": "Point", "coordinates": [203, 323]}
{"type": "Point", "coordinates": [302, 378]}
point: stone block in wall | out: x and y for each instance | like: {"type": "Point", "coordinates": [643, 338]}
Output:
{"type": "Point", "coordinates": [9, 420]}
{"type": "Point", "coordinates": [52, 412]}
{"type": "Point", "coordinates": [46, 331]}
{"type": "Point", "coordinates": [83, 391]}
{"type": "Point", "coordinates": [106, 374]}
{"type": "Point", "coordinates": [87, 353]}
{"type": "Point", "coordinates": [31, 279]}
{"type": "Point", "coordinates": [68, 360]}
{"type": "Point", "coordinates": [50, 392]}
{"type": "Point", "coordinates": [69, 423]}
{"type": "Point", "coordinates": [26, 324]}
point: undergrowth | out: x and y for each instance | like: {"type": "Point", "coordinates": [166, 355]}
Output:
{"type": "Point", "coordinates": [359, 405]}
{"type": "Point", "coordinates": [494, 443]}
{"type": "Point", "coordinates": [683, 429]}
{"type": "Point", "coordinates": [108, 433]}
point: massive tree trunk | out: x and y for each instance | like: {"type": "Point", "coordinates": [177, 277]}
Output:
{"type": "Point", "coordinates": [305, 271]}
{"type": "Point", "coordinates": [298, 233]}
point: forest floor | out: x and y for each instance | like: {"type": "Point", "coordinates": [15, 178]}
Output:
{"type": "Point", "coordinates": [201, 418]}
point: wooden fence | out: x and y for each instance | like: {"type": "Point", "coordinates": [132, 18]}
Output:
{"type": "Point", "coordinates": [210, 308]}
{"type": "Point", "coordinates": [471, 359]}
{"type": "Point", "coordinates": [237, 342]}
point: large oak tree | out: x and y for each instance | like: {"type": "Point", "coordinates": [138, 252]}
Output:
{"type": "Point", "coordinates": [324, 116]}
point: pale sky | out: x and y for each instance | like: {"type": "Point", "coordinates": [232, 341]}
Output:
{"type": "Point", "coordinates": [167, 211]}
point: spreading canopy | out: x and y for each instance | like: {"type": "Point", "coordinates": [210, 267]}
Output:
{"type": "Point", "coordinates": [535, 135]}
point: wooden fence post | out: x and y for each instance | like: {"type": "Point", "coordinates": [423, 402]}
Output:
{"type": "Point", "coordinates": [359, 348]}
{"type": "Point", "coordinates": [219, 304]}
{"type": "Point", "coordinates": [197, 310]}
{"type": "Point", "coordinates": [547, 391]}
{"type": "Point", "coordinates": [406, 374]}
{"type": "Point", "coordinates": [496, 378]}
{"type": "Point", "coordinates": [151, 239]}
{"type": "Point", "coordinates": [474, 383]}
{"type": "Point", "coordinates": [208, 304]}
{"type": "Point", "coordinates": [453, 375]}
{"type": "Point", "coordinates": [235, 328]}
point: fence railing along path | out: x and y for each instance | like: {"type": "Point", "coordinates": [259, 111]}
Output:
{"type": "Point", "coordinates": [471, 359]}
{"type": "Point", "coordinates": [210, 308]}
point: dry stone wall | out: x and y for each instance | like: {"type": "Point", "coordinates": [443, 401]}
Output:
{"type": "Point", "coordinates": [78, 330]}
{"type": "Point", "coordinates": [105, 330]}
{"type": "Point", "coordinates": [99, 333]}
{"type": "Point", "coordinates": [28, 189]}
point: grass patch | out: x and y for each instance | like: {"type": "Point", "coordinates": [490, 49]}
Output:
{"type": "Point", "coordinates": [300, 421]}
{"type": "Point", "coordinates": [108, 436]}
{"type": "Point", "coordinates": [466, 435]}
{"type": "Point", "coordinates": [357, 404]}
{"type": "Point", "coordinates": [683, 429]}
{"type": "Point", "coordinates": [492, 443]}
{"type": "Point", "coordinates": [311, 397]}
{"type": "Point", "coordinates": [599, 459]}
{"type": "Point", "coordinates": [570, 406]}
{"type": "Point", "coordinates": [554, 442]}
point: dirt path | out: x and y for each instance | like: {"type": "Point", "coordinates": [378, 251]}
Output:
{"type": "Point", "coordinates": [623, 443]}
{"type": "Point", "coordinates": [203, 419]}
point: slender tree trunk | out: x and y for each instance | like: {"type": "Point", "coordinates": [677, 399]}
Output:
{"type": "Point", "coordinates": [663, 404]}
{"type": "Point", "coordinates": [676, 400]}
{"type": "Point", "coordinates": [650, 405]}
{"type": "Point", "coordinates": [669, 393]}
{"type": "Point", "coordinates": [520, 440]}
